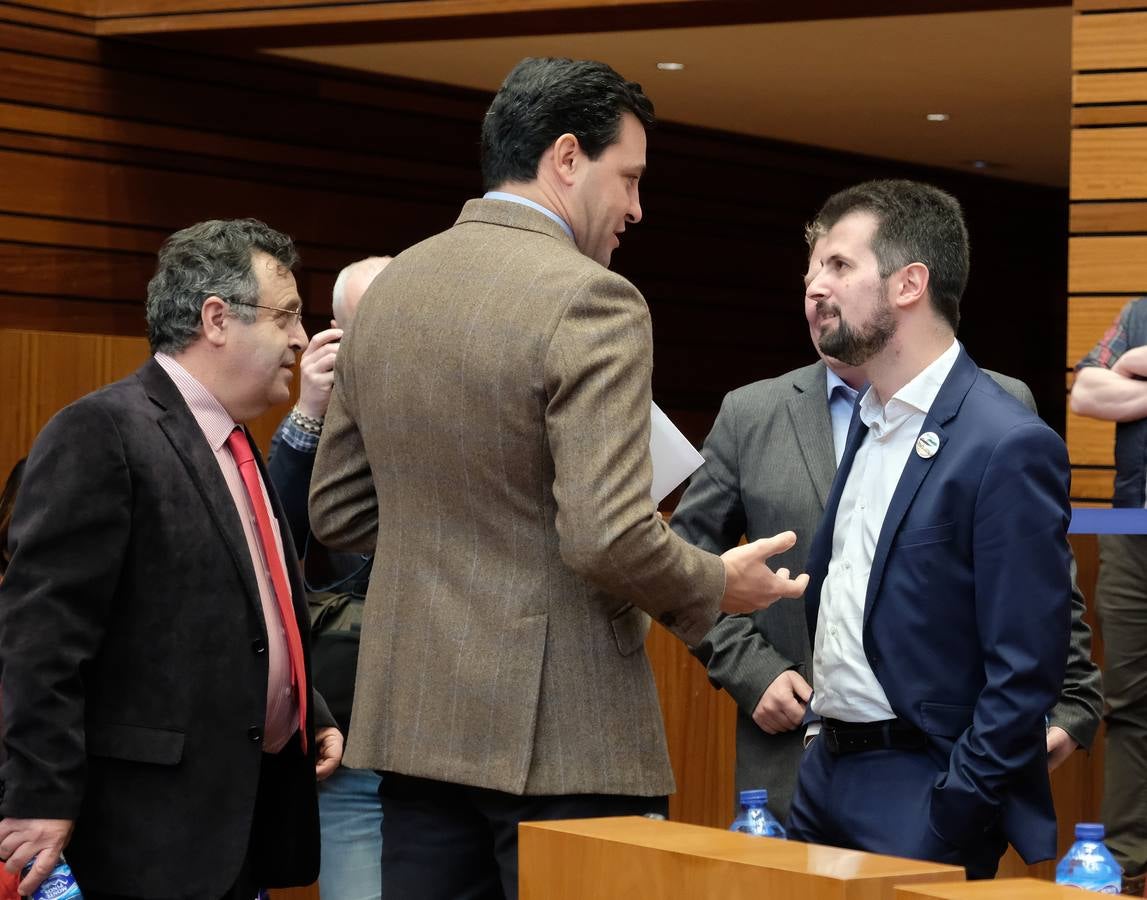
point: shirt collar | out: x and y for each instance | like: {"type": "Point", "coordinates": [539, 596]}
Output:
{"type": "Point", "coordinates": [525, 201]}
{"type": "Point", "coordinates": [834, 381]}
{"type": "Point", "coordinates": [917, 395]}
{"type": "Point", "coordinates": [213, 419]}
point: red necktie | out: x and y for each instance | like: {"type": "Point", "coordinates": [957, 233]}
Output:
{"type": "Point", "coordinates": [241, 451]}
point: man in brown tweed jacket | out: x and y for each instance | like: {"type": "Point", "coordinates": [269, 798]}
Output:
{"type": "Point", "coordinates": [488, 438]}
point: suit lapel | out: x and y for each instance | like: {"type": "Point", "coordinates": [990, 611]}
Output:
{"type": "Point", "coordinates": [821, 550]}
{"type": "Point", "coordinates": [944, 408]}
{"type": "Point", "coordinates": [808, 409]}
{"type": "Point", "coordinates": [186, 439]}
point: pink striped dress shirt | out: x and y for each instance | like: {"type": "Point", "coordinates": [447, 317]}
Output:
{"type": "Point", "coordinates": [217, 425]}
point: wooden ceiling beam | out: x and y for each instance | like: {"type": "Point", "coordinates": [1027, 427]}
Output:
{"type": "Point", "coordinates": [235, 24]}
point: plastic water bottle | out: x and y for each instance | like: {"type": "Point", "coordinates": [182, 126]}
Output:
{"type": "Point", "coordinates": [1089, 864]}
{"type": "Point", "coordinates": [755, 817]}
{"type": "Point", "coordinates": [60, 883]}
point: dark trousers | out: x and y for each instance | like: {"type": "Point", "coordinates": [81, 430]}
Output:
{"type": "Point", "coordinates": [443, 841]}
{"type": "Point", "coordinates": [1121, 600]}
{"type": "Point", "coordinates": [243, 889]}
{"type": "Point", "coordinates": [879, 801]}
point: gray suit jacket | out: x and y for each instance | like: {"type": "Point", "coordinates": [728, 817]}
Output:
{"type": "Point", "coordinates": [769, 463]}
{"type": "Point", "coordinates": [488, 437]}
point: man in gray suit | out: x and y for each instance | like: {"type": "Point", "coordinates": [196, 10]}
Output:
{"type": "Point", "coordinates": [488, 438]}
{"type": "Point", "coordinates": [769, 462]}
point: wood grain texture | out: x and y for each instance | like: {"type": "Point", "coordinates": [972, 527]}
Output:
{"type": "Point", "coordinates": [1121, 217]}
{"type": "Point", "coordinates": [1107, 265]}
{"type": "Point", "coordinates": [1108, 163]}
{"type": "Point", "coordinates": [41, 372]}
{"type": "Point", "coordinates": [310, 892]}
{"type": "Point", "coordinates": [1105, 5]}
{"type": "Point", "coordinates": [1088, 319]}
{"type": "Point", "coordinates": [100, 164]}
{"type": "Point", "coordinates": [1092, 483]}
{"type": "Point", "coordinates": [233, 22]}
{"type": "Point", "coordinates": [1012, 889]}
{"type": "Point", "coordinates": [1090, 442]}
{"type": "Point", "coordinates": [700, 726]}
{"type": "Point", "coordinates": [623, 858]}
{"type": "Point", "coordinates": [1112, 41]}
{"type": "Point", "coordinates": [1109, 87]}
{"type": "Point", "coordinates": [1122, 114]}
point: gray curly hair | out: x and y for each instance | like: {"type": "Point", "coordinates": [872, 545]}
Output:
{"type": "Point", "coordinates": [211, 258]}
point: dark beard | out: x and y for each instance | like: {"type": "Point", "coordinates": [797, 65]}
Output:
{"type": "Point", "coordinates": [853, 346]}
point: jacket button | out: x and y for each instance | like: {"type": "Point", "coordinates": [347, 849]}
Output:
{"type": "Point", "coordinates": [258, 646]}
{"type": "Point", "coordinates": [255, 733]}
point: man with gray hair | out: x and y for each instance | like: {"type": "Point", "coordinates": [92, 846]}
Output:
{"type": "Point", "coordinates": [158, 717]}
{"type": "Point", "coordinates": [351, 284]}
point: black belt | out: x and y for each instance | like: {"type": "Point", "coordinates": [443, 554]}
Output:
{"type": "Point", "coordinates": [856, 737]}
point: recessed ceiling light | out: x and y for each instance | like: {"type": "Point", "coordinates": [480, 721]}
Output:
{"type": "Point", "coordinates": [670, 66]}
{"type": "Point", "coordinates": [984, 165]}
{"type": "Point", "coordinates": [937, 117]}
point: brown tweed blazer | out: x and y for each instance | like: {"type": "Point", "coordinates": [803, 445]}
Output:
{"type": "Point", "coordinates": [488, 438]}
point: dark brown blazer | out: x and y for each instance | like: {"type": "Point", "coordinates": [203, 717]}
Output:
{"type": "Point", "coordinates": [134, 658]}
{"type": "Point", "coordinates": [488, 437]}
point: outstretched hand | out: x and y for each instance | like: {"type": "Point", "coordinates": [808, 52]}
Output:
{"type": "Point", "coordinates": [750, 584]}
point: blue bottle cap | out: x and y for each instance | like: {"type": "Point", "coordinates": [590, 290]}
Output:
{"type": "Point", "coordinates": [759, 797]}
{"type": "Point", "coordinates": [1089, 831]}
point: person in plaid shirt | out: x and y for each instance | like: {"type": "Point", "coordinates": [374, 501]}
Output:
{"type": "Point", "coordinates": [1111, 384]}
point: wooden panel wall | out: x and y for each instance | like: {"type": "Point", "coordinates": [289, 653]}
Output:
{"type": "Point", "coordinates": [107, 146]}
{"type": "Point", "coordinates": [1108, 219]}
{"type": "Point", "coordinates": [41, 372]}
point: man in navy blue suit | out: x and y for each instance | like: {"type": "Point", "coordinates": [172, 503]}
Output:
{"type": "Point", "coordinates": [939, 601]}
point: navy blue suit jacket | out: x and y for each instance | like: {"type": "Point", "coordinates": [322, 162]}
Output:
{"type": "Point", "coordinates": [968, 610]}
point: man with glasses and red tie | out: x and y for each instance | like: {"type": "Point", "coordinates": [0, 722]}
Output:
{"type": "Point", "coordinates": [159, 722]}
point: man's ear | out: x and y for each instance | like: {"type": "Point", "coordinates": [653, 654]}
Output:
{"type": "Point", "coordinates": [215, 319]}
{"type": "Point", "coordinates": [910, 284]}
{"type": "Point", "coordinates": [566, 158]}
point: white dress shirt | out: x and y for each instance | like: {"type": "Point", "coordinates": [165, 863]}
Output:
{"type": "Point", "coordinates": [844, 684]}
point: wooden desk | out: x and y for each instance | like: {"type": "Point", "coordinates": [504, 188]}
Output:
{"type": "Point", "coordinates": [633, 857]}
{"type": "Point", "coordinates": [1001, 889]}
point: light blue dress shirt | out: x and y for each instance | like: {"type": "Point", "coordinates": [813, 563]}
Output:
{"type": "Point", "coordinates": [525, 201]}
{"type": "Point", "coordinates": [841, 400]}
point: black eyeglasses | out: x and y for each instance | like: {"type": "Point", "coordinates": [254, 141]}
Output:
{"type": "Point", "coordinates": [291, 316]}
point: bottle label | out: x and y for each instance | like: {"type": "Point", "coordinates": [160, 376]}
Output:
{"type": "Point", "coordinates": [58, 886]}
{"type": "Point", "coordinates": [60, 883]}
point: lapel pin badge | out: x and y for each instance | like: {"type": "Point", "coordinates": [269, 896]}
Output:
{"type": "Point", "coordinates": [927, 445]}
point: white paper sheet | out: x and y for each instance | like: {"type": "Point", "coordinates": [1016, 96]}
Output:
{"type": "Point", "coordinates": [674, 458]}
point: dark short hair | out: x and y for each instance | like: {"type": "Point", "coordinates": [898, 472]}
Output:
{"type": "Point", "coordinates": [542, 99]}
{"type": "Point", "coordinates": [210, 258]}
{"type": "Point", "coordinates": [916, 222]}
